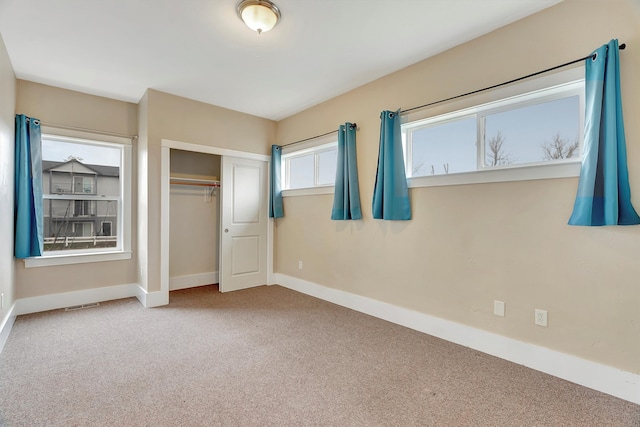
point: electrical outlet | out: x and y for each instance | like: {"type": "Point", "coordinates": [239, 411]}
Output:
{"type": "Point", "coordinates": [299, 265]}
{"type": "Point", "coordinates": [541, 317]}
{"type": "Point", "coordinates": [498, 308]}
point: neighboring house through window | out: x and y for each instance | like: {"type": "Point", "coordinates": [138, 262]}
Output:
{"type": "Point", "coordinates": [86, 199]}
{"type": "Point", "coordinates": [72, 212]}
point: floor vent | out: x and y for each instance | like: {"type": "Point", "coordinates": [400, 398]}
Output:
{"type": "Point", "coordinates": [79, 307]}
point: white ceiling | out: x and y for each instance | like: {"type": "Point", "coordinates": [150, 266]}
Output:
{"type": "Point", "coordinates": [200, 49]}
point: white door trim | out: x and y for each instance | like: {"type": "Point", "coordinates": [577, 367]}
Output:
{"type": "Point", "coordinates": [165, 168]}
{"type": "Point", "coordinates": [187, 146]}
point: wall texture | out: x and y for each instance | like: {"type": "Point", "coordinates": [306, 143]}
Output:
{"type": "Point", "coordinates": [55, 106]}
{"type": "Point", "coordinates": [7, 126]}
{"type": "Point", "coordinates": [469, 245]}
{"type": "Point", "coordinates": [179, 119]}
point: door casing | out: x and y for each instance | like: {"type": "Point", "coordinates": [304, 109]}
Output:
{"type": "Point", "coordinates": [166, 146]}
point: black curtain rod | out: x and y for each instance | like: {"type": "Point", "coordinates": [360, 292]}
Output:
{"type": "Point", "coordinates": [353, 125]}
{"type": "Point", "coordinates": [593, 56]}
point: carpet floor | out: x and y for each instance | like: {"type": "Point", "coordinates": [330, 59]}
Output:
{"type": "Point", "coordinates": [269, 356]}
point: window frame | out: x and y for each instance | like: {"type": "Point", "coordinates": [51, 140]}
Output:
{"type": "Point", "coordinates": [122, 251]}
{"type": "Point", "coordinates": [315, 147]}
{"type": "Point", "coordinates": [543, 89]}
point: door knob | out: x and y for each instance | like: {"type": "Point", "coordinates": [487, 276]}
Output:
{"type": "Point", "coordinates": [226, 230]}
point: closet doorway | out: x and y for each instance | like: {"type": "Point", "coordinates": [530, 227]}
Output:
{"type": "Point", "coordinates": [194, 212]}
{"type": "Point", "coordinates": [214, 225]}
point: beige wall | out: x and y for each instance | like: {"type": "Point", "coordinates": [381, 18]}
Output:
{"type": "Point", "coordinates": [179, 119]}
{"type": "Point", "coordinates": [195, 220]}
{"type": "Point", "coordinates": [7, 126]}
{"type": "Point", "coordinates": [469, 245]}
{"type": "Point", "coordinates": [55, 106]}
{"type": "Point", "coordinates": [158, 116]}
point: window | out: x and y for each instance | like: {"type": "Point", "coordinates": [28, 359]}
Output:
{"type": "Point", "coordinates": [84, 208]}
{"type": "Point", "coordinates": [533, 135]}
{"type": "Point", "coordinates": [447, 146]}
{"type": "Point", "coordinates": [86, 199]}
{"type": "Point", "coordinates": [84, 184]}
{"type": "Point", "coordinates": [105, 228]}
{"type": "Point", "coordinates": [310, 167]}
{"type": "Point", "coordinates": [300, 171]}
{"type": "Point", "coordinates": [82, 229]}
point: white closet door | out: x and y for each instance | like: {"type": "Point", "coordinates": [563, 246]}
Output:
{"type": "Point", "coordinates": [243, 237]}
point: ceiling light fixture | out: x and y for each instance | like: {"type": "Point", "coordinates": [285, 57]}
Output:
{"type": "Point", "coordinates": [259, 15]}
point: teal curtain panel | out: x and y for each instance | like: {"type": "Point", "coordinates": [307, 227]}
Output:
{"type": "Point", "coordinates": [28, 218]}
{"type": "Point", "coordinates": [346, 197]}
{"type": "Point", "coordinates": [276, 209]}
{"type": "Point", "coordinates": [391, 193]}
{"type": "Point", "coordinates": [604, 196]}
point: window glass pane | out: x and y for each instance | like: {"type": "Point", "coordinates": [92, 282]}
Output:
{"type": "Point", "coordinates": [536, 133]}
{"type": "Point", "coordinates": [82, 229]}
{"type": "Point", "coordinates": [327, 161]}
{"type": "Point", "coordinates": [60, 183]}
{"type": "Point", "coordinates": [80, 224]}
{"type": "Point", "coordinates": [71, 173]}
{"type": "Point", "coordinates": [444, 148]}
{"type": "Point", "coordinates": [88, 154]}
{"type": "Point", "coordinates": [301, 171]}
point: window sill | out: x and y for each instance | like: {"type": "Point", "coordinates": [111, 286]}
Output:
{"type": "Point", "coordinates": [327, 189]}
{"type": "Point", "coordinates": [522, 173]}
{"type": "Point", "coordinates": [51, 260]}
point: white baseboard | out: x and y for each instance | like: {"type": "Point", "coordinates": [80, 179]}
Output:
{"type": "Point", "coordinates": [6, 325]}
{"type": "Point", "coordinates": [88, 296]}
{"type": "Point", "coordinates": [192, 280]}
{"type": "Point", "coordinates": [67, 299]}
{"type": "Point", "coordinates": [151, 299]}
{"type": "Point", "coordinates": [616, 382]}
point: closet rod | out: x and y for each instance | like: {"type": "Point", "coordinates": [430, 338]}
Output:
{"type": "Point", "coordinates": [592, 56]}
{"type": "Point", "coordinates": [194, 183]}
{"type": "Point", "coordinates": [353, 125]}
{"type": "Point", "coordinates": [197, 184]}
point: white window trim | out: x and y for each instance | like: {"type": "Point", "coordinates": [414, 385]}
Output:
{"type": "Point", "coordinates": [311, 191]}
{"type": "Point", "coordinates": [124, 223]}
{"type": "Point", "coordinates": [521, 173]}
{"type": "Point", "coordinates": [553, 86]}
{"type": "Point", "coordinates": [315, 146]}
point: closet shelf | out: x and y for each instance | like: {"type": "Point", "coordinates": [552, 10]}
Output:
{"type": "Point", "coordinates": [194, 182]}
